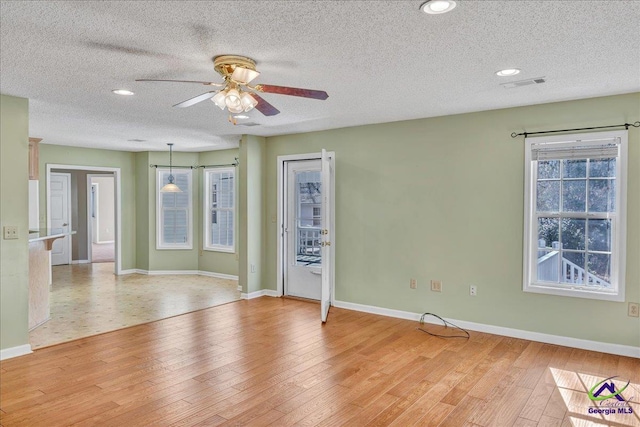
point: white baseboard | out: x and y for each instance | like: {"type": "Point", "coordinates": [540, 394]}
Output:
{"type": "Point", "coordinates": [103, 242]}
{"type": "Point", "coordinates": [129, 271]}
{"type": "Point", "coordinates": [179, 272]}
{"type": "Point", "coordinates": [260, 293]}
{"type": "Point", "coordinates": [80, 261]}
{"type": "Point", "coordinates": [217, 275]}
{"type": "Point", "coordinates": [20, 350]}
{"type": "Point", "coordinates": [168, 272]}
{"type": "Point", "coordinates": [619, 349]}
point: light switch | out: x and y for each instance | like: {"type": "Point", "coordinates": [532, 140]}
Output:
{"type": "Point", "coordinates": [10, 232]}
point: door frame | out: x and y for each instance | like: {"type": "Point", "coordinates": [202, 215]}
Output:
{"type": "Point", "coordinates": [117, 205]}
{"type": "Point", "coordinates": [90, 207]}
{"type": "Point", "coordinates": [280, 218]}
{"type": "Point", "coordinates": [69, 212]}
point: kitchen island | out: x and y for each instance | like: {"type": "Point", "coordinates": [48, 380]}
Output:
{"type": "Point", "coordinates": [40, 244]}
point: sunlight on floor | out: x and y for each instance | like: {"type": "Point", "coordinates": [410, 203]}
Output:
{"type": "Point", "coordinates": [574, 387]}
{"type": "Point", "coordinates": [88, 299]}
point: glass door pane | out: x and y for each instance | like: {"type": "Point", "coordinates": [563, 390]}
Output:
{"type": "Point", "coordinates": [308, 214]}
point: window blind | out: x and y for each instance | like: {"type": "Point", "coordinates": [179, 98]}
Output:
{"type": "Point", "coordinates": [595, 149]}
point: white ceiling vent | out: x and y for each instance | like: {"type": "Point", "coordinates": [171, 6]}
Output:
{"type": "Point", "coordinates": [535, 81]}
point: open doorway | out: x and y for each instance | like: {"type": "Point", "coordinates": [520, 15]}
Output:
{"type": "Point", "coordinates": [306, 216]}
{"type": "Point", "coordinates": [101, 218]}
{"type": "Point", "coordinates": [105, 238]}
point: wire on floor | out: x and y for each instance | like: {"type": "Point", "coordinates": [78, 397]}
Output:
{"type": "Point", "coordinates": [446, 324]}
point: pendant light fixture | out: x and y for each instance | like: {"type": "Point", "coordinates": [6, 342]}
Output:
{"type": "Point", "coordinates": [171, 187]}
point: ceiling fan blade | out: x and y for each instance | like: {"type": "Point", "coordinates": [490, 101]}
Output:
{"type": "Point", "coordinates": [294, 91]}
{"type": "Point", "coordinates": [264, 107]}
{"type": "Point", "coordinates": [196, 99]}
{"type": "Point", "coordinates": [181, 81]}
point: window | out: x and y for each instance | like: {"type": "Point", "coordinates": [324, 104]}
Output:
{"type": "Point", "coordinates": [575, 208]}
{"type": "Point", "coordinates": [219, 209]}
{"type": "Point", "coordinates": [174, 211]}
{"type": "Point", "coordinates": [317, 217]}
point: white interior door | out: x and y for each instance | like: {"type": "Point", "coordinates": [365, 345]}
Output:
{"type": "Point", "coordinates": [303, 204]}
{"type": "Point", "coordinates": [59, 216]}
{"type": "Point", "coordinates": [327, 233]}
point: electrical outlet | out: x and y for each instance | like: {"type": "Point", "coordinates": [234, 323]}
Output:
{"type": "Point", "coordinates": [253, 268]}
{"type": "Point", "coordinates": [634, 309]}
{"type": "Point", "coordinates": [436, 286]}
{"type": "Point", "coordinates": [413, 283]}
{"type": "Point", "coordinates": [473, 290]}
{"type": "Point", "coordinates": [10, 232]}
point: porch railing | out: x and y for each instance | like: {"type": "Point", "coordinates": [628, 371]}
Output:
{"type": "Point", "coordinates": [548, 271]}
{"type": "Point", "coordinates": [309, 241]}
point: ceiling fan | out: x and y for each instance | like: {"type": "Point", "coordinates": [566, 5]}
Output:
{"type": "Point", "coordinates": [235, 93]}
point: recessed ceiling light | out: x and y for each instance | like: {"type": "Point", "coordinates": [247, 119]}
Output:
{"type": "Point", "coordinates": [240, 116]}
{"type": "Point", "coordinates": [122, 92]}
{"type": "Point", "coordinates": [508, 72]}
{"type": "Point", "coordinates": [435, 7]}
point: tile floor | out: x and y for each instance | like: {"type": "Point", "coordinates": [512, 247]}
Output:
{"type": "Point", "coordinates": [88, 299]}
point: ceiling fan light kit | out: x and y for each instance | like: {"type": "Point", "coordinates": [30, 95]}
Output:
{"type": "Point", "coordinates": [236, 95]}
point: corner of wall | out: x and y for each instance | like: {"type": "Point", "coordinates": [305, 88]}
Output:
{"type": "Point", "coordinates": [14, 211]}
{"type": "Point", "coordinates": [251, 205]}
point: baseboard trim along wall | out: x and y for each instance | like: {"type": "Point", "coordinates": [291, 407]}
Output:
{"type": "Point", "coordinates": [80, 261]}
{"type": "Point", "coordinates": [178, 272]}
{"type": "Point", "coordinates": [260, 293]}
{"type": "Point", "coordinates": [20, 350]}
{"type": "Point", "coordinates": [619, 349]}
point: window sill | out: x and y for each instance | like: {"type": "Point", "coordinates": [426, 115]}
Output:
{"type": "Point", "coordinates": [174, 248]}
{"type": "Point", "coordinates": [538, 288]}
{"type": "Point", "coordinates": [223, 250]}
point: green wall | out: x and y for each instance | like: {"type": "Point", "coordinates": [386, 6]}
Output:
{"type": "Point", "coordinates": [126, 161]}
{"type": "Point", "coordinates": [142, 211]}
{"type": "Point", "coordinates": [171, 259]}
{"type": "Point", "coordinates": [14, 211]}
{"type": "Point", "coordinates": [251, 202]}
{"type": "Point", "coordinates": [442, 198]}
{"type": "Point", "coordinates": [218, 262]}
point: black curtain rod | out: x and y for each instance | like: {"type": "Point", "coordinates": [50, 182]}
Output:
{"type": "Point", "coordinates": [625, 125]}
{"type": "Point", "coordinates": [215, 166]}
{"type": "Point", "coordinates": [235, 163]}
{"type": "Point", "coordinates": [173, 166]}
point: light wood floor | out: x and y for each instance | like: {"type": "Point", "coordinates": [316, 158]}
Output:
{"type": "Point", "coordinates": [270, 361]}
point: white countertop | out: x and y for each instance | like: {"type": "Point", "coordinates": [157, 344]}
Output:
{"type": "Point", "coordinates": [45, 234]}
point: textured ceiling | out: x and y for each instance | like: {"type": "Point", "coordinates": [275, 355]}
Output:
{"type": "Point", "coordinates": [379, 61]}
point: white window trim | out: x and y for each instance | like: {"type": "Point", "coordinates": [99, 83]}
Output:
{"type": "Point", "coordinates": [205, 214]}
{"type": "Point", "coordinates": [173, 246]}
{"type": "Point", "coordinates": [530, 230]}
